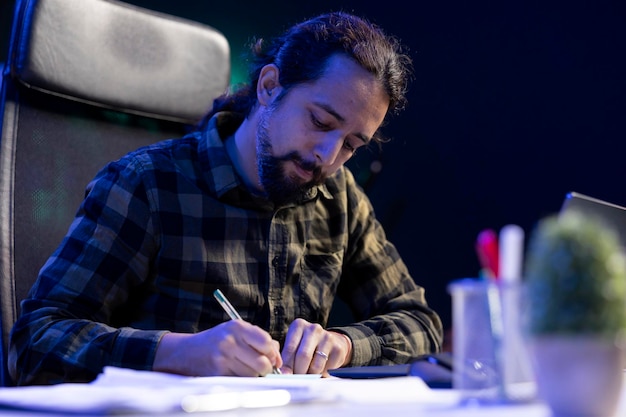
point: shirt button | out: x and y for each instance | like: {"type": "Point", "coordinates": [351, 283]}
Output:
{"type": "Point", "coordinates": [275, 261]}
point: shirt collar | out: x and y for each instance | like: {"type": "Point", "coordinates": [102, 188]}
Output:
{"type": "Point", "coordinates": [223, 178]}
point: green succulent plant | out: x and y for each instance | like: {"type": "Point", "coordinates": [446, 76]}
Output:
{"type": "Point", "coordinates": [575, 278]}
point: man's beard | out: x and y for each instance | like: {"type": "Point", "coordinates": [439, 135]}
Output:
{"type": "Point", "coordinates": [279, 187]}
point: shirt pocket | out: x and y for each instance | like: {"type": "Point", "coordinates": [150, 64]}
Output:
{"type": "Point", "coordinates": [320, 276]}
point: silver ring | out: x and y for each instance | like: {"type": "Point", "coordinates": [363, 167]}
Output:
{"type": "Point", "coordinates": [322, 354]}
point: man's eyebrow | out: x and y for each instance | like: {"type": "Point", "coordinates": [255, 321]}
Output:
{"type": "Point", "coordinates": [339, 117]}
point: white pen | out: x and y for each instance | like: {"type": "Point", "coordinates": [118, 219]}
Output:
{"type": "Point", "coordinates": [511, 253]}
{"type": "Point", "coordinates": [232, 313]}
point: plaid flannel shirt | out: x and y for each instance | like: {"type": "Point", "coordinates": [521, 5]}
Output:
{"type": "Point", "coordinates": [163, 227]}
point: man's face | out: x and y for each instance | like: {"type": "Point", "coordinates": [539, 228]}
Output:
{"type": "Point", "coordinates": [315, 128]}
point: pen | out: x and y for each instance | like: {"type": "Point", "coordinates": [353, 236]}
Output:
{"type": "Point", "coordinates": [232, 313]}
{"type": "Point", "coordinates": [511, 253]}
{"type": "Point", "coordinates": [487, 250]}
{"type": "Point", "coordinates": [226, 305]}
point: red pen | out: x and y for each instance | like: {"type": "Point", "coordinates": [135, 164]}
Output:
{"type": "Point", "coordinates": [487, 251]}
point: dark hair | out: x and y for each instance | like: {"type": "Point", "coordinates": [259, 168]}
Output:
{"type": "Point", "coordinates": [302, 52]}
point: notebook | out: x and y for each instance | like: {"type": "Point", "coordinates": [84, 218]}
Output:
{"type": "Point", "coordinates": [434, 369]}
{"type": "Point", "coordinates": [613, 215]}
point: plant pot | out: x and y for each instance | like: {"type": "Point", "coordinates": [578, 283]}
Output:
{"type": "Point", "coordinates": [578, 376]}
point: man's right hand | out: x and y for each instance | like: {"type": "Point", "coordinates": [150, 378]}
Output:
{"type": "Point", "coordinates": [234, 347]}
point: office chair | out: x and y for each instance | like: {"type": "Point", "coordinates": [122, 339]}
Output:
{"type": "Point", "coordinates": [85, 82]}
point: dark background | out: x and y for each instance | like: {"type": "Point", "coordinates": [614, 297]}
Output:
{"type": "Point", "coordinates": [514, 104]}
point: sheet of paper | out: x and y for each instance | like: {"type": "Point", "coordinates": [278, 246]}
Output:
{"type": "Point", "coordinates": [119, 390]}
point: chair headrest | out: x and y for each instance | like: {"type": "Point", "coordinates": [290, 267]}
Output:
{"type": "Point", "coordinates": [120, 56]}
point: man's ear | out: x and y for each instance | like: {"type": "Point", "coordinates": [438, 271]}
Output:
{"type": "Point", "coordinates": [268, 86]}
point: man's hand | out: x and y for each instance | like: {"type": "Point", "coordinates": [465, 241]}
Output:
{"type": "Point", "coordinates": [309, 349]}
{"type": "Point", "coordinates": [234, 347]}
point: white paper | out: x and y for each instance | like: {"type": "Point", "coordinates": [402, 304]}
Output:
{"type": "Point", "coordinates": [119, 390]}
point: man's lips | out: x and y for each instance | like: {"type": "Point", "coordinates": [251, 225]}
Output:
{"type": "Point", "coordinates": [305, 174]}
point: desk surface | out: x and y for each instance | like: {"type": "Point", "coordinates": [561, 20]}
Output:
{"type": "Point", "coordinates": [343, 410]}
{"type": "Point", "coordinates": [396, 396]}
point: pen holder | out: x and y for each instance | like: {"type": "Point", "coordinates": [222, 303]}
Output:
{"type": "Point", "coordinates": [490, 356]}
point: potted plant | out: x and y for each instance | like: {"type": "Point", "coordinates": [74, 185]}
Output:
{"type": "Point", "coordinates": [576, 294]}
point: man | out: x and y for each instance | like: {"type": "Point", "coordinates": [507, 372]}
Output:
{"type": "Point", "coordinates": [257, 203]}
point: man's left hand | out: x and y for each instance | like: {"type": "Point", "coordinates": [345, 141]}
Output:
{"type": "Point", "coordinates": [310, 349]}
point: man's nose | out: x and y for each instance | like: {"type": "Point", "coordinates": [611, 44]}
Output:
{"type": "Point", "coordinates": [327, 150]}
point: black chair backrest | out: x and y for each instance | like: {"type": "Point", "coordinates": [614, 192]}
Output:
{"type": "Point", "coordinates": [85, 82]}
